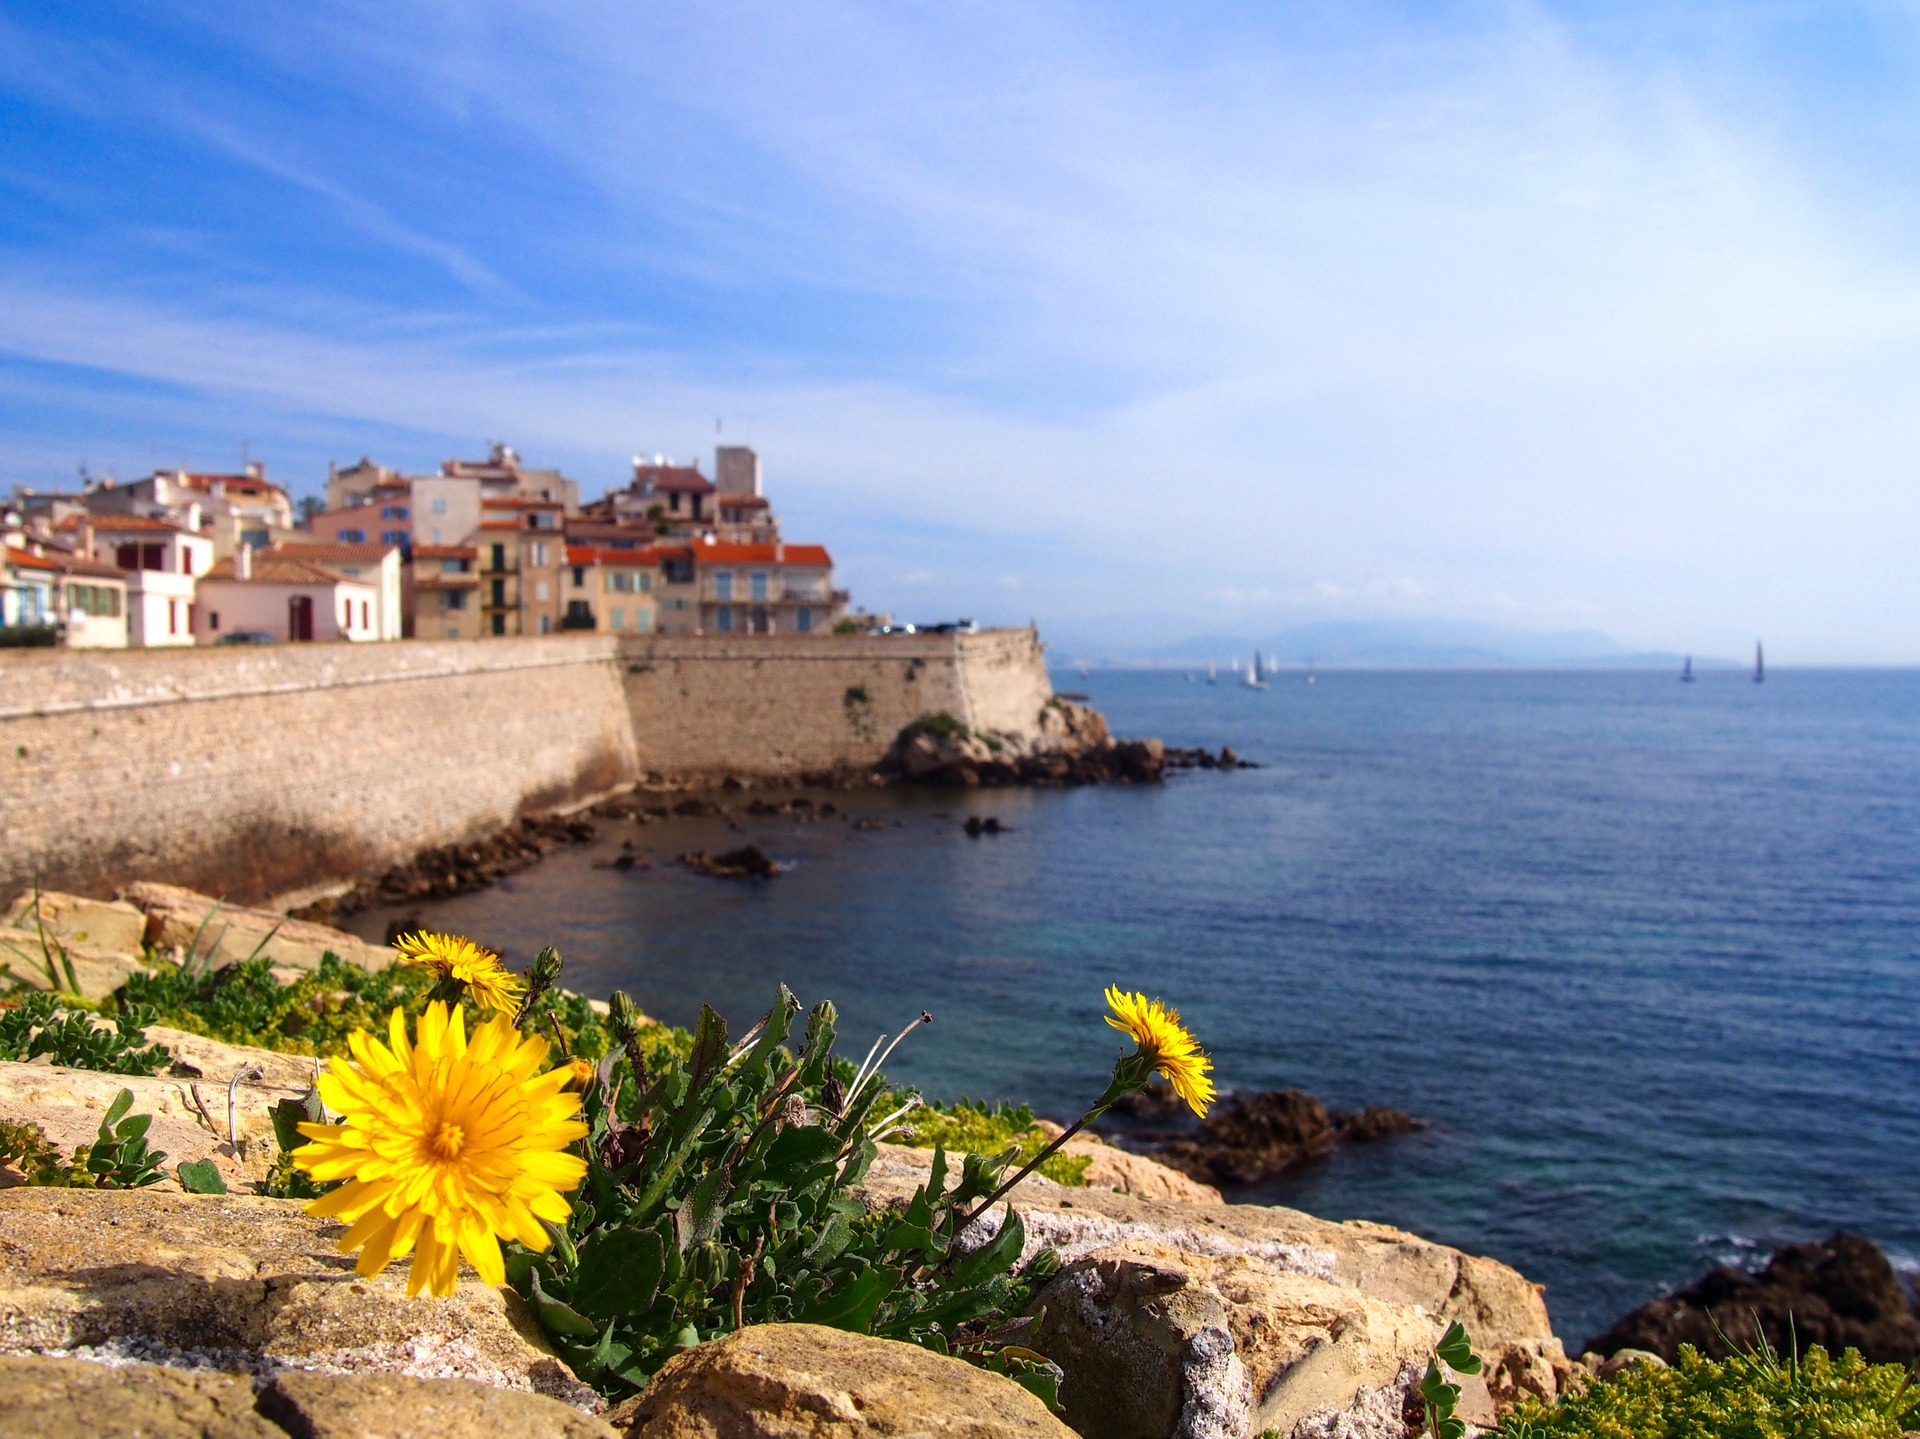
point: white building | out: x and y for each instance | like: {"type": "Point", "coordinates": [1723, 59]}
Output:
{"type": "Point", "coordinates": [163, 563]}
{"type": "Point", "coordinates": [375, 565]}
{"type": "Point", "coordinates": [293, 600]}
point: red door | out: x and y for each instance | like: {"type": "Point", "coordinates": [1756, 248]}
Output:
{"type": "Point", "coordinates": [300, 617]}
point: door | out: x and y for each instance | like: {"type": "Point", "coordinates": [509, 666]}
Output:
{"type": "Point", "coordinates": [300, 617]}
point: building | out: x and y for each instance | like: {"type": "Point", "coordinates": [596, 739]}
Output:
{"type": "Point", "coordinates": [613, 590]}
{"type": "Point", "coordinates": [378, 565]}
{"type": "Point", "coordinates": [352, 485]}
{"type": "Point", "coordinates": [277, 593]}
{"type": "Point", "coordinates": [522, 550]}
{"type": "Point", "coordinates": [765, 589]}
{"type": "Point", "coordinates": [380, 517]}
{"type": "Point", "coordinates": [230, 510]}
{"type": "Point", "coordinates": [91, 600]}
{"type": "Point", "coordinates": [163, 563]}
{"type": "Point", "coordinates": [502, 476]}
{"type": "Point", "coordinates": [27, 605]}
{"type": "Point", "coordinates": [443, 590]}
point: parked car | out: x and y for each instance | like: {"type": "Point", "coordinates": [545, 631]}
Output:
{"type": "Point", "coordinates": [245, 637]}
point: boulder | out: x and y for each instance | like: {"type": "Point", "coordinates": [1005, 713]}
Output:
{"type": "Point", "coordinates": [97, 973]}
{"type": "Point", "coordinates": [226, 934]}
{"type": "Point", "coordinates": [1840, 1293]}
{"type": "Point", "coordinates": [1391, 1284]}
{"type": "Point", "coordinates": [72, 1399]}
{"type": "Point", "coordinates": [111, 926]}
{"type": "Point", "coordinates": [387, 1406]}
{"type": "Point", "coordinates": [244, 1283]}
{"type": "Point", "coordinates": [1156, 1342]}
{"type": "Point", "coordinates": [1117, 1169]}
{"type": "Point", "coordinates": [1250, 1138]}
{"type": "Point", "coordinates": [68, 1105]}
{"type": "Point", "coordinates": [800, 1381]}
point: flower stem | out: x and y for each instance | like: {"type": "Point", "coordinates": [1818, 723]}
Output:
{"type": "Point", "coordinates": [1032, 1164]}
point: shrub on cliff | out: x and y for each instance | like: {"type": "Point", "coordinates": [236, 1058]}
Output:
{"type": "Point", "coordinates": [969, 1126]}
{"type": "Point", "coordinates": [1748, 1396]}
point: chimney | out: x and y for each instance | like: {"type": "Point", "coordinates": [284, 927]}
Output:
{"type": "Point", "coordinates": [243, 562]}
{"type": "Point", "coordinates": [779, 553]}
{"type": "Point", "coordinates": [256, 469]}
{"type": "Point", "coordinates": [83, 538]}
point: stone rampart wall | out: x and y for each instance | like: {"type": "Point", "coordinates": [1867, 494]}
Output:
{"type": "Point", "coordinates": [245, 772]}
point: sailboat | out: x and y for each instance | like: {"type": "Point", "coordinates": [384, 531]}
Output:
{"type": "Point", "coordinates": [1759, 664]}
{"type": "Point", "coordinates": [1686, 671]}
{"type": "Point", "coordinates": [1310, 675]}
{"type": "Point", "coordinates": [1213, 674]}
{"type": "Point", "coordinates": [1253, 680]}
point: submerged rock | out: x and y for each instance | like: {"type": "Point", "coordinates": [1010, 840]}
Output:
{"type": "Point", "coordinates": [1839, 1293]}
{"type": "Point", "coordinates": [747, 862]}
{"type": "Point", "coordinates": [1251, 1138]}
{"type": "Point", "coordinates": [800, 1381]}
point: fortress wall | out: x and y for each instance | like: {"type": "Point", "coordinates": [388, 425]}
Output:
{"type": "Point", "coordinates": [777, 704]}
{"type": "Point", "coordinates": [250, 771]}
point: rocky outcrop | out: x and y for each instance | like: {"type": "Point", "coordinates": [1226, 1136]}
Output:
{"type": "Point", "coordinates": [747, 862]}
{"type": "Point", "coordinates": [1250, 1138]}
{"type": "Point", "coordinates": [243, 1284]}
{"type": "Point", "coordinates": [1840, 1293]}
{"type": "Point", "coordinates": [45, 933]}
{"type": "Point", "coordinates": [1328, 1321]}
{"type": "Point", "coordinates": [74, 1399]}
{"type": "Point", "coordinates": [454, 869]}
{"type": "Point", "coordinates": [799, 1381]}
{"type": "Point", "coordinates": [1070, 746]}
{"type": "Point", "coordinates": [215, 934]}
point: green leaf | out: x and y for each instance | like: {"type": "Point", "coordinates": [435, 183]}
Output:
{"type": "Point", "coordinates": [558, 1318]}
{"type": "Point", "coordinates": [996, 1256]}
{"type": "Point", "coordinates": [201, 1176]}
{"type": "Point", "coordinates": [122, 1102]}
{"type": "Point", "coordinates": [1456, 1350]}
{"type": "Point", "coordinates": [798, 1148]}
{"type": "Point", "coordinates": [290, 1114]}
{"type": "Point", "coordinates": [620, 1272]}
{"type": "Point", "coordinates": [700, 1213]}
{"type": "Point", "coordinates": [134, 1129]}
{"type": "Point", "coordinates": [853, 1306]}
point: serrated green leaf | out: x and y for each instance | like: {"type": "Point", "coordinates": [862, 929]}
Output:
{"type": "Point", "coordinates": [853, 1306]}
{"type": "Point", "coordinates": [620, 1273]}
{"type": "Point", "coordinates": [556, 1317]}
{"type": "Point", "coordinates": [996, 1256]}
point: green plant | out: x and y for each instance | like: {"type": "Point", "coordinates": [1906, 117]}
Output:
{"type": "Point", "coordinates": [1746, 1396]}
{"type": "Point", "coordinates": [27, 637]}
{"type": "Point", "coordinates": [32, 1025]}
{"type": "Point", "coordinates": [938, 725]}
{"type": "Point", "coordinates": [856, 695]}
{"type": "Point", "coordinates": [846, 627]}
{"type": "Point", "coordinates": [24, 1145]}
{"type": "Point", "coordinates": [971, 1126]}
{"type": "Point", "coordinates": [51, 950]}
{"type": "Point", "coordinates": [119, 1157]}
{"type": "Point", "coordinates": [1437, 1396]}
{"type": "Point", "coordinates": [719, 1193]}
{"type": "Point", "coordinates": [201, 1176]}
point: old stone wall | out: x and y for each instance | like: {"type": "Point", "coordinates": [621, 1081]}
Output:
{"type": "Point", "coordinates": [245, 772]}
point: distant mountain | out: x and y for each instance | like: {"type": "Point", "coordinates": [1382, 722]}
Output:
{"type": "Point", "coordinates": [1392, 644]}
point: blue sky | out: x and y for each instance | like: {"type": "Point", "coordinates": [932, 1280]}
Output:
{"type": "Point", "coordinates": [1147, 322]}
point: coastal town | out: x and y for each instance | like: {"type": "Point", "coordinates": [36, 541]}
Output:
{"type": "Point", "coordinates": [478, 549]}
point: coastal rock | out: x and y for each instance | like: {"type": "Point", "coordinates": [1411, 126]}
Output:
{"type": "Point", "coordinates": [1839, 1293]}
{"type": "Point", "coordinates": [1109, 1167]}
{"type": "Point", "coordinates": [97, 973]}
{"type": "Point", "coordinates": [244, 1283]}
{"type": "Point", "coordinates": [1415, 1281]}
{"type": "Point", "coordinates": [747, 862]}
{"type": "Point", "coordinates": [1156, 1341]}
{"type": "Point", "coordinates": [73, 1399]}
{"type": "Point", "coordinates": [454, 869]}
{"type": "Point", "coordinates": [387, 1406]}
{"type": "Point", "coordinates": [220, 934]}
{"type": "Point", "coordinates": [68, 1105]}
{"type": "Point", "coordinates": [110, 926]}
{"type": "Point", "coordinates": [1251, 1138]}
{"type": "Point", "coordinates": [800, 1381]}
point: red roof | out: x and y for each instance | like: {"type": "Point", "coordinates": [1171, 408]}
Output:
{"type": "Point", "coordinates": [608, 555]}
{"type": "Point", "coordinates": [744, 502]}
{"type": "Point", "coordinates": [127, 524]}
{"type": "Point", "coordinates": [445, 552]}
{"type": "Point", "coordinates": [686, 479]}
{"type": "Point", "coordinates": [334, 550]}
{"type": "Point", "coordinates": [282, 568]}
{"type": "Point", "coordinates": [521, 502]}
{"type": "Point", "coordinates": [99, 569]}
{"type": "Point", "coordinates": [26, 559]}
{"type": "Point", "coordinates": [762, 555]}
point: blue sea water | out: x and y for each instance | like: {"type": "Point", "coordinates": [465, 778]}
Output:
{"type": "Point", "coordinates": [1646, 955]}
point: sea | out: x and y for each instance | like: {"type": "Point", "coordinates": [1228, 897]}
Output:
{"type": "Point", "coordinates": [1644, 955]}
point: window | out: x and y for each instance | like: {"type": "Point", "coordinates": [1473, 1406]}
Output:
{"type": "Point", "coordinates": [499, 557]}
{"type": "Point", "coordinates": [173, 617]}
{"type": "Point", "coordinates": [757, 582]}
{"type": "Point", "coordinates": [646, 583]}
{"type": "Point", "coordinates": [724, 621]}
{"type": "Point", "coordinates": [453, 599]}
{"type": "Point", "coordinates": [439, 506]}
{"type": "Point", "coordinates": [803, 620]}
{"type": "Point", "coordinates": [643, 620]}
{"type": "Point", "coordinates": [499, 593]}
{"type": "Point", "coordinates": [393, 537]}
{"type": "Point", "coordinates": [453, 632]}
{"type": "Point", "coordinates": [393, 512]}
{"type": "Point", "coordinates": [213, 619]}
{"type": "Point", "coordinates": [539, 549]}
{"type": "Point", "coordinates": [499, 624]}
{"type": "Point", "coordinates": [546, 624]}
{"type": "Point", "coordinates": [540, 590]}
{"type": "Point", "coordinates": [186, 559]}
{"type": "Point", "coordinates": [256, 539]}
{"type": "Point", "coordinates": [453, 567]}
{"type": "Point", "coordinates": [353, 537]}
{"type": "Point", "coordinates": [579, 577]}
{"type": "Point", "coordinates": [617, 617]}
{"type": "Point", "coordinates": [153, 557]}
{"type": "Point", "coordinates": [723, 585]}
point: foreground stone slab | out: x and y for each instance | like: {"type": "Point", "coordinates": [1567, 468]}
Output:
{"type": "Point", "coordinates": [244, 1283]}
{"type": "Point", "coordinates": [71, 1399]}
{"type": "Point", "coordinates": [68, 1105]}
{"type": "Point", "coordinates": [386, 1406]}
{"type": "Point", "coordinates": [226, 934]}
{"type": "Point", "coordinates": [799, 1381]}
{"type": "Point", "coordinates": [107, 925]}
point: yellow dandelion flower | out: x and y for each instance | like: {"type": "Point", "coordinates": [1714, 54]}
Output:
{"type": "Point", "coordinates": [1165, 1041]}
{"type": "Point", "coordinates": [449, 1145]}
{"type": "Point", "coordinates": [580, 1073]}
{"type": "Point", "coordinates": [490, 984]}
